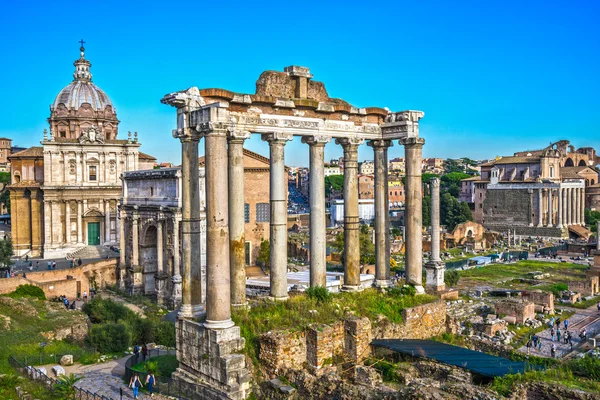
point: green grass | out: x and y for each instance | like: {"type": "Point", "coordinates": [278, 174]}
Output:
{"type": "Point", "coordinates": [293, 314]}
{"type": "Point", "coordinates": [586, 303]}
{"type": "Point", "coordinates": [164, 365]}
{"type": "Point", "coordinates": [10, 381]}
{"type": "Point", "coordinates": [555, 288]}
{"type": "Point", "coordinates": [24, 336]}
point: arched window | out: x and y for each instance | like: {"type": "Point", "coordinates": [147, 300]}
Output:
{"type": "Point", "coordinates": [569, 163]}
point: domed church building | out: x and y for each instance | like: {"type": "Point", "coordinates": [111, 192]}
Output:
{"type": "Point", "coordinates": [65, 194]}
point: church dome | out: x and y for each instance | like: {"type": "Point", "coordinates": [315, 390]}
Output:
{"type": "Point", "coordinates": [82, 90]}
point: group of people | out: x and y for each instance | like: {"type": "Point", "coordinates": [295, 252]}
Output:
{"type": "Point", "coordinates": [135, 382]}
{"type": "Point", "coordinates": [535, 341]}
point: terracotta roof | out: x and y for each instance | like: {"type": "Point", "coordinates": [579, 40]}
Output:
{"type": "Point", "coordinates": [516, 160]}
{"type": "Point", "coordinates": [473, 178]}
{"type": "Point", "coordinates": [144, 156]}
{"type": "Point", "coordinates": [34, 151]}
{"type": "Point", "coordinates": [248, 153]}
{"type": "Point", "coordinates": [573, 172]}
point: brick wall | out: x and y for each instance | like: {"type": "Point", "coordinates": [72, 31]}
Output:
{"type": "Point", "coordinates": [507, 207]}
{"type": "Point", "coordinates": [543, 299]}
{"type": "Point", "coordinates": [587, 287]}
{"type": "Point", "coordinates": [520, 309]}
{"type": "Point", "coordinates": [68, 282]}
{"type": "Point", "coordinates": [283, 349]}
{"type": "Point", "coordinates": [420, 322]}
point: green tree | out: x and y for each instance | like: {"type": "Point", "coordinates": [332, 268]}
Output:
{"type": "Point", "coordinates": [335, 183]}
{"type": "Point", "coordinates": [6, 251]}
{"type": "Point", "coordinates": [591, 219]}
{"type": "Point", "coordinates": [65, 386]}
{"type": "Point", "coordinates": [264, 253]}
{"type": "Point", "coordinates": [5, 195]}
{"type": "Point", "coordinates": [367, 248]}
{"type": "Point", "coordinates": [453, 212]}
{"type": "Point", "coordinates": [426, 210]}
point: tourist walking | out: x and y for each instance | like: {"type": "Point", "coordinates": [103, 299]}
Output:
{"type": "Point", "coordinates": [552, 334]}
{"type": "Point", "coordinates": [553, 350]}
{"type": "Point", "coordinates": [566, 323]}
{"type": "Point", "coordinates": [528, 346]}
{"type": "Point", "coordinates": [49, 265]}
{"type": "Point", "coordinates": [135, 384]}
{"type": "Point", "coordinates": [558, 335]}
{"type": "Point", "coordinates": [37, 265]}
{"type": "Point", "coordinates": [150, 379]}
{"type": "Point", "coordinates": [557, 323]}
{"type": "Point", "coordinates": [85, 296]}
{"type": "Point", "coordinates": [540, 344]}
{"type": "Point", "coordinates": [144, 352]}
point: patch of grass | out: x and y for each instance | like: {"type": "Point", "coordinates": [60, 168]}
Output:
{"type": "Point", "coordinates": [161, 365]}
{"type": "Point", "coordinates": [586, 303]}
{"type": "Point", "coordinates": [555, 288]}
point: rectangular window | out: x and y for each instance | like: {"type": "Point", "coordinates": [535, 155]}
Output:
{"type": "Point", "coordinates": [247, 213]}
{"type": "Point", "coordinates": [92, 174]}
{"type": "Point", "coordinates": [262, 212]}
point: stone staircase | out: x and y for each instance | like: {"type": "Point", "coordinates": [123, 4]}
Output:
{"type": "Point", "coordinates": [88, 252]}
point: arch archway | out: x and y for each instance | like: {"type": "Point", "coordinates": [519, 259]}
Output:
{"type": "Point", "coordinates": [569, 162]}
{"type": "Point", "coordinates": [148, 256]}
{"type": "Point", "coordinates": [582, 163]}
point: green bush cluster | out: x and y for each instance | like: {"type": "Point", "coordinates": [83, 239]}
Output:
{"type": "Point", "coordinates": [451, 278]}
{"type": "Point", "coordinates": [28, 291]}
{"type": "Point", "coordinates": [126, 327]}
{"type": "Point", "coordinates": [319, 293]}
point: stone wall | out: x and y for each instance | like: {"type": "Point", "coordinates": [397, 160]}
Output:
{"type": "Point", "coordinates": [520, 309]}
{"type": "Point", "coordinates": [587, 287]}
{"type": "Point", "coordinates": [544, 301]}
{"type": "Point", "coordinates": [69, 282]}
{"type": "Point", "coordinates": [507, 207]}
{"type": "Point", "coordinates": [351, 338]}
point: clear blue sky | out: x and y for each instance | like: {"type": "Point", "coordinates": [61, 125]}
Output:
{"type": "Point", "coordinates": [492, 77]}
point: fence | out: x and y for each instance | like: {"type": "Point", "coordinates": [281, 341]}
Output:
{"type": "Point", "coordinates": [166, 386]}
{"type": "Point", "coordinates": [45, 357]}
{"type": "Point", "coordinates": [49, 383]}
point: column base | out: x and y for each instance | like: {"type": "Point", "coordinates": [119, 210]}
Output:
{"type": "Point", "coordinates": [228, 323]}
{"type": "Point", "coordinates": [382, 283]}
{"type": "Point", "coordinates": [352, 288]}
{"type": "Point", "coordinates": [198, 311]}
{"type": "Point", "coordinates": [185, 312]}
{"type": "Point", "coordinates": [283, 298]}
{"type": "Point", "coordinates": [419, 289]}
{"type": "Point", "coordinates": [242, 306]}
{"type": "Point", "coordinates": [559, 226]}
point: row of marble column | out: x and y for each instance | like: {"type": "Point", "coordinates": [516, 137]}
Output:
{"type": "Point", "coordinates": [561, 207]}
{"type": "Point", "coordinates": [226, 277]}
{"type": "Point", "coordinates": [53, 211]}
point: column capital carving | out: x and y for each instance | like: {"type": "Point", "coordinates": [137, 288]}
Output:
{"type": "Point", "coordinates": [316, 140]}
{"type": "Point", "coordinates": [402, 123]}
{"type": "Point", "coordinates": [412, 142]}
{"type": "Point", "coordinates": [349, 142]}
{"type": "Point", "coordinates": [184, 135]}
{"type": "Point", "coordinates": [380, 143]}
{"type": "Point", "coordinates": [434, 182]}
{"type": "Point", "coordinates": [275, 137]}
{"type": "Point", "coordinates": [237, 136]}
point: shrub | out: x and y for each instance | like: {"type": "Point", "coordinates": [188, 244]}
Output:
{"type": "Point", "coordinates": [406, 290]}
{"type": "Point", "coordinates": [587, 367]}
{"type": "Point", "coordinates": [451, 278]}
{"type": "Point", "coordinates": [164, 334]}
{"type": "Point", "coordinates": [101, 311]}
{"type": "Point", "coordinates": [319, 293]}
{"type": "Point", "coordinates": [142, 330]}
{"type": "Point", "coordinates": [110, 337]}
{"type": "Point", "coordinates": [28, 291]}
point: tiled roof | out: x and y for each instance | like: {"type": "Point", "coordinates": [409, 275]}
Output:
{"type": "Point", "coordinates": [516, 160]}
{"type": "Point", "coordinates": [34, 151]}
{"type": "Point", "coordinates": [144, 156]}
{"type": "Point", "coordinates": [573, 172]}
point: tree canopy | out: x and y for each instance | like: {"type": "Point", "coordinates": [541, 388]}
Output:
{"type": "Point", "coordinates": [334, 182]}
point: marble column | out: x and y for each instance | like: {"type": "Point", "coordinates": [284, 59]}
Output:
{"type": "Point", "coordinates": [550, 209]}
{"type": "Point", "coordinates": [237, 240]}
{"type": "Point", "coordinates": [571, 204]}
{"type": "Point", "coordinates": [176, 279]}
{"type": "Point", "coordinates": [67, 222]}
{"type": "Point", "coordinates": [351, 221]}
{"type": "Point", "coordinates": [107, 221]}
{"type": "Point", "coordinates": [79, 222]}
{"type": "Point", "coordinates": [540, 208]}
{"type": "Point", "coordinates": [559, 217]}
{"type": "Point", "coordinates": [218, 275]}
{"type": "Point", "coordinates": [435, 268]}
{"type": "Point", "coordinates": [48, 223]}
{"type": "Point", "coordinates": [135, 242]}
{"type": "Point", "coordinates": [597, 236]}
{"type": "Point", "coordinates": [122, 238]}
{"type": "Point", "coordinates": [582, 201]}
{"type": "Point", "coordinates": [413, 217]}
{"type": "Point", "coordinates": [278, 222]}
{"type": "Point", "coordinates": [318, 239]}
{"type": "Point", "coordinates": [382, 220]}
{"type": "Point", "coordinates": [577, 207]}
{"type": "Point", "coordinates": [190, 223]}
{"type": "Point", "coordinates": [159, 246]}
{"type": "Point", "coordinates": [565, 203]}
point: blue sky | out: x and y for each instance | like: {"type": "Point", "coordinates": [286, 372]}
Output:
{"type": "Point", "coordinates": [491, 77]}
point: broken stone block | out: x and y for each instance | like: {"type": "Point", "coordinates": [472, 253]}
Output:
{"type": "Point", "coordinates": [58, 370]}
{"type": "Point", "coordinates": [67, 359]}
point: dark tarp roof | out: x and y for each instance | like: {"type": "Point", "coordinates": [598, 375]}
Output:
{"type": "Point", "coordinates": [477, 362]}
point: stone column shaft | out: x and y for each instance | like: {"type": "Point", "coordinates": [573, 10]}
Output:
{"type": "Point", "coordinates": [559, 214]}
{"type": "Point", "coordinates": [278, 222]}
{"type": "Point", "coordinates": [565, 203]}
{"type": "Point", "coordinates": [550, 209]}
{"type": "Point", "coordinates": [577, 207]}
{"type": "Point", "coordinates": [176, 252]}
{"type": "Point", "coordinates": [218, 286]}
{"type": "Point", "coordinates": [159, 246]}
{"type": "Point", "coordinates": [582, 201]}
{"type": "Point", "coordinates": [107, 221]}
{"type": "Point", "coordinates": [237, 241]}
{"type": "Point", "coordinates": [318, 253]}
{"type": "Point", "coordinates": [435, 219]}
{"type": "Point", "coordinates": [135, 242]}
{"type": "Point", "coordinates": [190, 189]}
{"type": "Point", "coordinates": [48, 224]}
{"type": "Point", "coordinates": [382, 236]}
{"type": "Point", "coordinates": [413, 217]}
{"type": "Point", "coordinates": [122, 238]}
{"type": "Point", "coordinates": [571, 205]}
{"type": "Point", "coordinates": [79, 222]}
{"type": "Point", "coordinates": [351, 221]}
{"type": "Point", "coordinates": [67, 222]}
{"type": "Point", "coordinates": [540, 208]}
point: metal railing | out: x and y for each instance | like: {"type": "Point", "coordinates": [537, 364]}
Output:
{"type": "Point", "coordinates": [166, 386]}
{"type": "Point", "coordinates": [49, 383]}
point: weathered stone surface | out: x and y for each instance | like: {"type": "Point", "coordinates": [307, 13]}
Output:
{"type": "Point", "coordinates": [367, 376]}
{"type": "Point", "coordinates": [520, 309]}
{"type": "Point", "coordinates": [67, 359]}
{"type": "Point", "coordinates": [420, 322]}
{"type": "Point", "coordinates": [58, 370]}
{"type": "Point", "coordinates": [4, 322]}
{"type": "Point", "coordinates": [440, 372]}
{"type": "Point", "coordinates": [546, 391]}
{"type": "Point", "coordinates": [21, 306]}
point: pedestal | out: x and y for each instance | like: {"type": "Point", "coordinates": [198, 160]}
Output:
{"type": "Point", "coordinates": [435, 276]}
{"type": "Point", "coordinates": [210, 361]}
{"type": "Point", "coordinates": [176, 293]}
{"type": "Point", "coordinates": [160, 281]}
{"type": "Point", "coordinates": [136, 285]}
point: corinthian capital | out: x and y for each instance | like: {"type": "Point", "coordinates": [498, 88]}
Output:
{"type": "Point", "coordinates": [318, 140]}
{"type": "Point", "coordinates": [349, 141]}
{"type": "Point", "coordinates": [412, 141]}
{"type": "Point", "coordinates": [380, 143]}
{"type": "Point", "coordinates": [189, 99]}
{"type": "Point", "coordinates": [435, 183]}
{"type": "Point", "coordinates": [401, 124]}
{"type": "Point", "coordinates": [276, 137]}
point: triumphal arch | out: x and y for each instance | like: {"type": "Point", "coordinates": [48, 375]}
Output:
{"type": "Point", "coordinates": [286, 104]}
